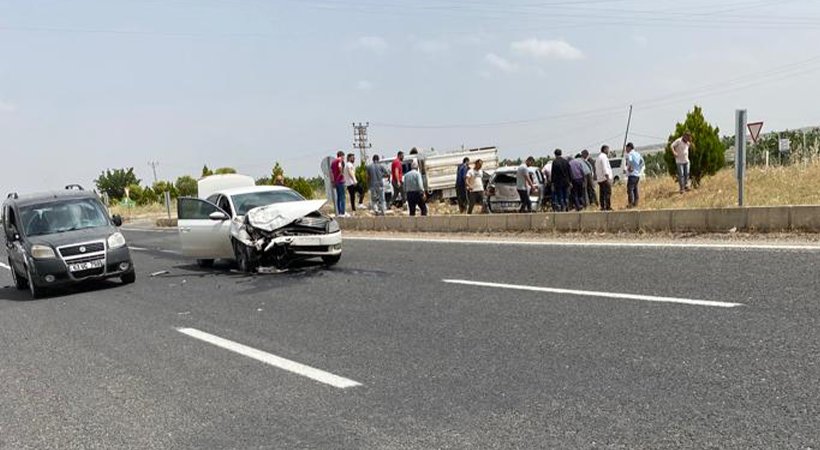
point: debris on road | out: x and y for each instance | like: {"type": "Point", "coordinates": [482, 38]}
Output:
{"type": "Point", "coordinates": [161, 272]}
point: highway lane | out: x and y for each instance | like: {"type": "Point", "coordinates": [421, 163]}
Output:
{"type": "Point", "coordinates": [440, 365]}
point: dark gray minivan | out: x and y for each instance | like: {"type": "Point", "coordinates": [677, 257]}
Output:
{"type": "Point", "coordinates": [63, 237]}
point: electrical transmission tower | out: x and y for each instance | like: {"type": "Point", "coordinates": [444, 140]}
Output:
{"type": "Point", "coordinates": [360, 140]}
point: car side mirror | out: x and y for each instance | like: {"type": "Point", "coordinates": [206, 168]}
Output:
{"type": "Point", "coordinates": [116, 219]}
{"type": "Point", "coordinates": [218, 216]}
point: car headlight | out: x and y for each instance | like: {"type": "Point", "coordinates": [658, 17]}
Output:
{"type": "Point", "coordinates": [333, 227]}
{"type": "Point", "coordinates": [42, 252]}
{"type": "Point", "coordinates": [116, 240]}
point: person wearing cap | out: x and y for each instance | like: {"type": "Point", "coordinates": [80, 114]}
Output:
{"type": "Point", "coordinates": [680, 148]}
{"type": "Point", "coordinates": [634, 168]}
{"type": "Point", "coordinates": [414, 189]}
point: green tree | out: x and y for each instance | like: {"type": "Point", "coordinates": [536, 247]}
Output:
{"type": "Point", "coordinates": [206, 172]}
{"type": "Point", "coordinates": [224, 171]}
{"type": "Point", "coordinates": [707, 153]}
{"type": "Point", "coordinates": [148, 197]}
{"type": "Point", "coordinates": [277, 171]}
{"type": "Point", "coordinates": [114, 182]}
{"type": "Point", "coordinates": [186, 186]}
{"type": "Point", "coordinates": [302, 186]}
{"type": "Point", "coordinates": [160, 187]}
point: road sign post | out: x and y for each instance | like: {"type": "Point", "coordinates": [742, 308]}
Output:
{"type": "Point", "coordinates": [740, 152]}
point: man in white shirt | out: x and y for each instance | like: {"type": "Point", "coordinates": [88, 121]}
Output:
{"type": "Point", "coordinates": [352, 183]}
{"type": "Point", "coordinates": [474, 183]}
{"type": "Point", "coordinates": [680, 148]}
{"type": "Point", "coordinates": [603, 175]}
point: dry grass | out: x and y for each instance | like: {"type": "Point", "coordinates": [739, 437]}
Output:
{"type": "Point", "coordinates": [155, 211]}
{"type": "Point", "coordinates": [792, 185]}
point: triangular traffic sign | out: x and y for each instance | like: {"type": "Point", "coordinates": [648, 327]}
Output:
{"type": "Point", "coordinates": [754, 130]}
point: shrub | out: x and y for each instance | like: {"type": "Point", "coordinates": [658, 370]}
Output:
{"type": "Point", "coordinates": [186, 186]}
{"type": "Point", "coordinates": [707, 153]}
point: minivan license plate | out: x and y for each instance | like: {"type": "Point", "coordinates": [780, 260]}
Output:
{"type": "Point", "coordinates": [79, 267]}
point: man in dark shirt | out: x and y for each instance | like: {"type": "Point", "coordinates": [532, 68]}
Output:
{"type": "Point", "coordinates": [561, 180]}
{"type": "Point", "coordinates": [461, 185]}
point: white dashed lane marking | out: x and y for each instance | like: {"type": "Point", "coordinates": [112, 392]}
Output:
{"type": "Point", "coordinates": [273, 360]}
{"type": "Point", "coordinates": [612, 295]}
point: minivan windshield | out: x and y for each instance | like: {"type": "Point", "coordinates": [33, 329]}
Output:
{"type": "Point", "coordinates": [246, 202]}
{"type": "Point", "coordinates": [62, 216]}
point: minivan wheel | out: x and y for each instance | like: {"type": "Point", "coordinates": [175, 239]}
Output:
{"type": "Point", "coordinates": [129, 278]}
{"type": "Point", "coordinates": [19, 282]}
{"type": "Point", "coordinates": [36, 292]}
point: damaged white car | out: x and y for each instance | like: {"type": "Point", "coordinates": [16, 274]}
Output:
{"type": "Point", "coordinates": [258, 226]}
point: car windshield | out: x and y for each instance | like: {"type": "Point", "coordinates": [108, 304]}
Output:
{"type": "Point", "coordinates": [246, 202]}
{"type": "Point", "coordinates": [59, 217]}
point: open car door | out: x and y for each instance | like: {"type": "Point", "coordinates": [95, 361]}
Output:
{"type": "Point", "coordinates": [204, 229]}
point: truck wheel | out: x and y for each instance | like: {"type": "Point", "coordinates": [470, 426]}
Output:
{"type": "Point", "coordinates": [129, 278]}
{"type": "Point", "coordinates": [331, 260]}
{"type": "Point", "coordinates": [19, 282]}
{"type": "Point", "coordinates": [205, 263]}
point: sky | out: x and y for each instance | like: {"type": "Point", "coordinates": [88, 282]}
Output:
{"type": "Point", "coordinates": [87, 85]}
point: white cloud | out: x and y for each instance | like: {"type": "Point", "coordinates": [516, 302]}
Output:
{"type": "Point", "coordinates": [542, 49]}
{"type": "Point", "coordinates": [500, 63]}
{"type": "Point", "coordinates": [364, 85]}
{"type": "Point", "coordinates": [7, 107]}
{"type": "Point", "coordinates": [375, 44]}
{"type": "Point", "coordinates": [431, 46]}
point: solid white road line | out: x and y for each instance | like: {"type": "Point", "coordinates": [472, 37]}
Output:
{"type": "Point", "coordinates": [652, 245]}
{"type": "Point", "coordinates": [646, 298]}
{"type": "Point", "coordinates": [5, 266]}
{"type": "Point", "coordinates": [273, 360]}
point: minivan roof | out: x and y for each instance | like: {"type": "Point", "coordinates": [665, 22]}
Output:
{"type": "Point", "coordinates": [47, 197]}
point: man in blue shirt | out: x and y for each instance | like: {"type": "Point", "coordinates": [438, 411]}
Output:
{"type": "Point", "coordinates": [461, 185]}
{"type": "Point", "coordinates": [634, 169]}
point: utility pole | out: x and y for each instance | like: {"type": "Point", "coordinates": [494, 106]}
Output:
{"type": "Point", "coordinates": [153, 165]}
{"type": "Point", "coordinates": [626, 135]}
{"type": "Point", "coordinates": [360, 140]}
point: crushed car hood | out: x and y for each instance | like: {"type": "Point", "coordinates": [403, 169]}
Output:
{"type": "Point", "coordinates": [273, 217]}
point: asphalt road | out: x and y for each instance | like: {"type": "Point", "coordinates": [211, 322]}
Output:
{"type": "Point", "coordinates": [438, 365]}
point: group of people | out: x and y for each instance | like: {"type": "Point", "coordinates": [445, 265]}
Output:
{"type": "Point", "coordinates": [569, 183]}
{"type": "Point", "coordinates": [403, 180]}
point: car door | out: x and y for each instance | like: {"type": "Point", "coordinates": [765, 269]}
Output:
{"type": "Point", "coordinates": [14, 246]}
{"type": "Point", "coordinates": [201, 236]}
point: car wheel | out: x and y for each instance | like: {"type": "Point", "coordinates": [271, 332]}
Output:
{"type": "Point", "coordinates": [36, 291]}
{"type": "Point", "coordinates": [331, 260]}
{"type": "Point", "coordinates": [19, 282]}
{"type": "Point", "coordinates": [129, 278]}
{"type": "Point", "coordinates": [243, 258]}
{"type": "Point", "coordinates": [205, 263]}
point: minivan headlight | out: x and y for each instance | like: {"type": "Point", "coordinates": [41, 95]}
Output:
{"type": "Point", "coordinates": [116, 240]}
{"type": "Point", "coordinates": [333, 227]}
{"type": "Point", "coordinates": [42, 252]}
